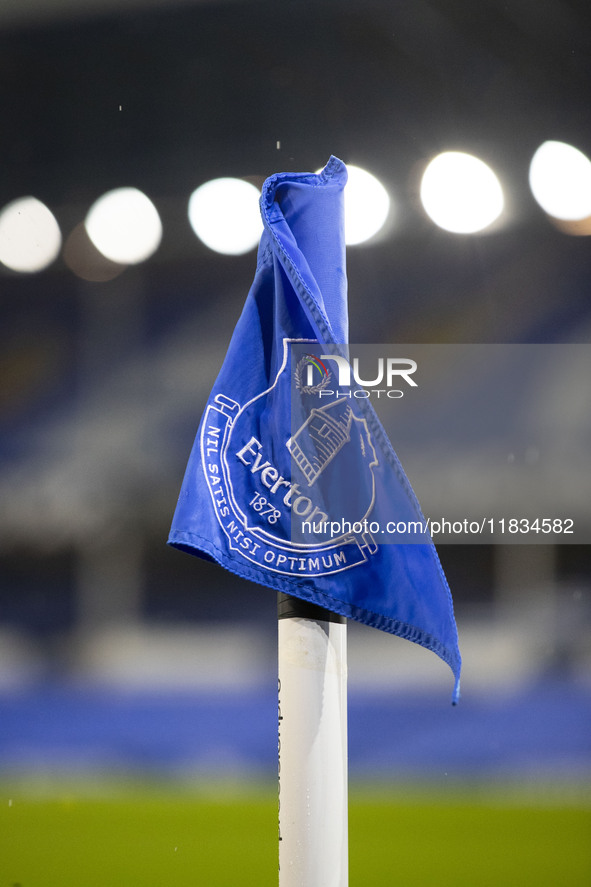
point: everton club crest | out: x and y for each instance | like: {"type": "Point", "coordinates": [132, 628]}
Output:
{"type": "Point", "coordinates": [295, 504]}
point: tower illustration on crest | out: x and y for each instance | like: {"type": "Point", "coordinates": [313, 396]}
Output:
{"type": "Point", "coordinates": [323, 435]}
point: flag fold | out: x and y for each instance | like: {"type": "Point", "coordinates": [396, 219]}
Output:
{"type": "Point", "coordinates": [280, 457]}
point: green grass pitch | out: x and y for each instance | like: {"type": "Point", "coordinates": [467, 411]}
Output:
{"type": "Point", "coordinates": [164, 837]}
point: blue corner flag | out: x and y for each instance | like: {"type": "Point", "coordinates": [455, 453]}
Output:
{"type": "Point", "coordinates": [286, 476]}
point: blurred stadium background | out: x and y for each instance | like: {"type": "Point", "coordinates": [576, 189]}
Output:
{"type": "Point", "coordinates": [124, 665]}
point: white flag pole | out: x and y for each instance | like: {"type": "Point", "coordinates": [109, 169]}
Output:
{"type": "Point", "coordinates": [313, 800]}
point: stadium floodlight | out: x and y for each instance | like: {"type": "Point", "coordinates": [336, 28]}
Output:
{"type": "Point", "coordinates": [124, 226]}
{"type": "Point", "coordinates": [30, 237]}
{"type": "Point", "coordinates": [367, 205]}
{"type": "Point", "coordinates": [224, 214]}
{"type": "Point", "coordinates": [461, 193]}
{"type": "Point", "coordinates": [560, 181]}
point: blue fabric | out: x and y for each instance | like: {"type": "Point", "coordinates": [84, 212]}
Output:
{"type": "Point", "coordinates": [243, 490]}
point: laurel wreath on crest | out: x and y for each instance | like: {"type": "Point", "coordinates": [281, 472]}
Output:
{"type": "Point", "coordinates": [299, 379]}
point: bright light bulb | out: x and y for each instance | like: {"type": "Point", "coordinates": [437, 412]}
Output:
{"type": "Point", "coordinates": [30, 238]}
{"type": "Point", "coordinates": [124, 226]}
{"type": "Point", "coordinates": [225, 216]}
{"type": "Point", "coordinates": [367, 205]}
{"type": "Point", "coordinates": [460, 193]}
{"type": "Point", "coordinates": [560, 180]}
